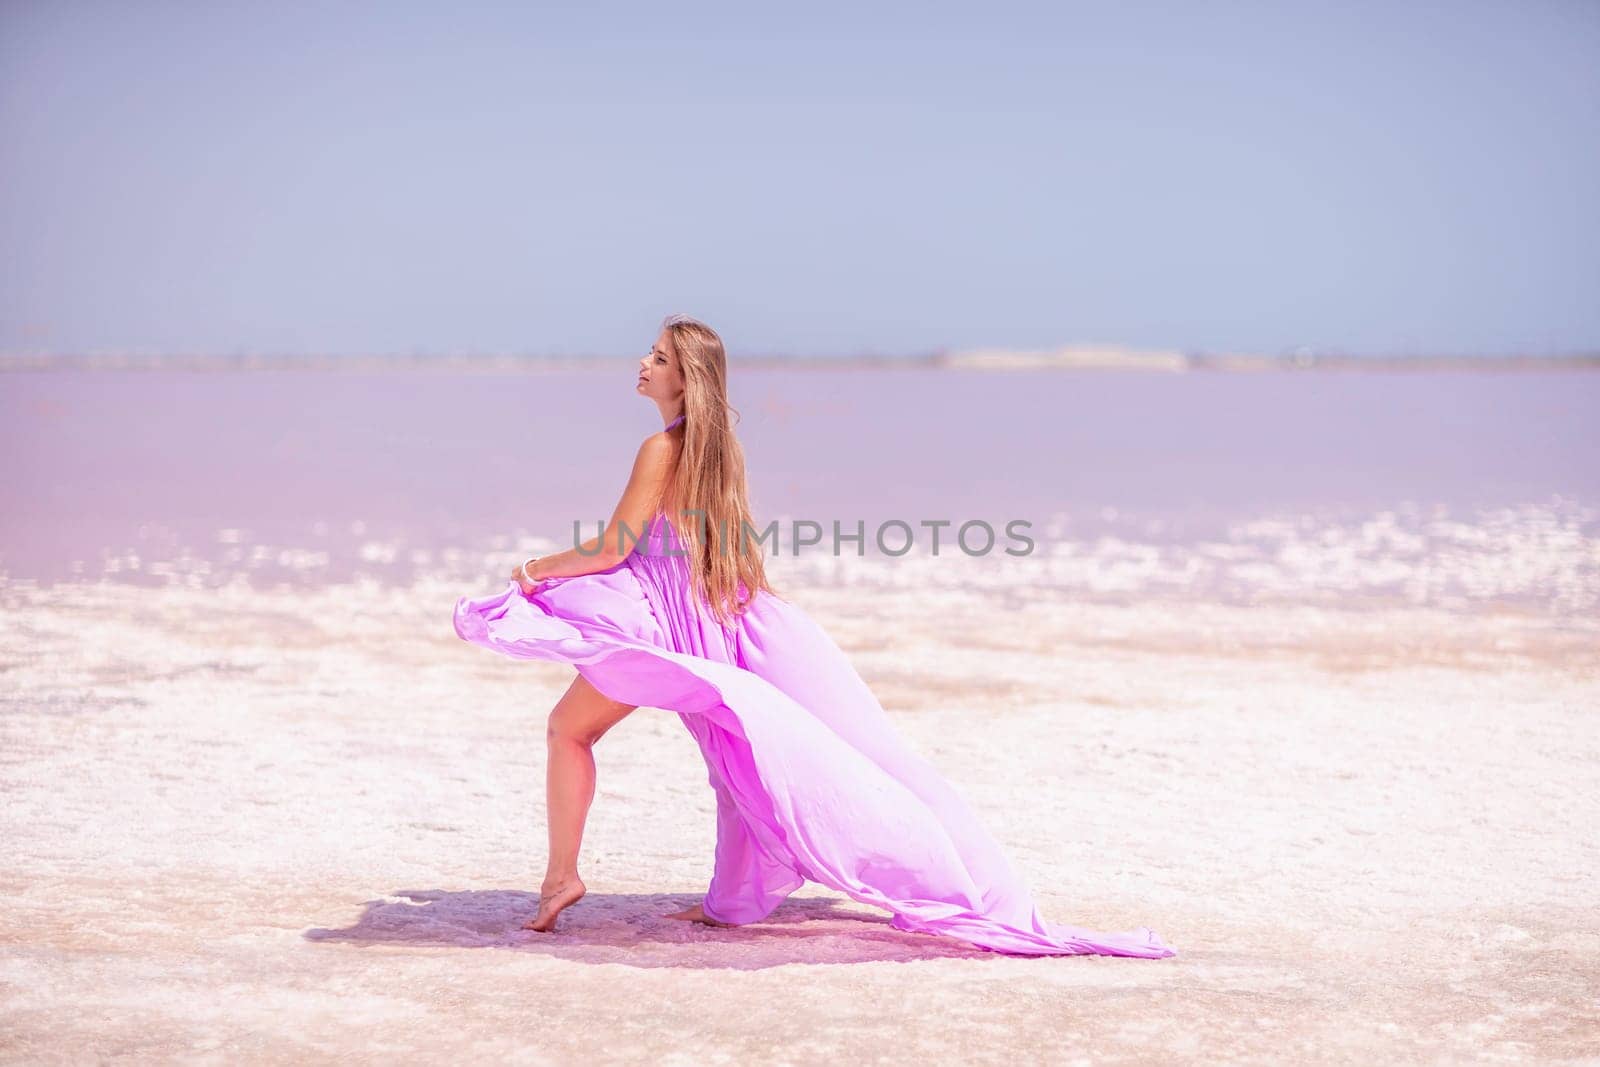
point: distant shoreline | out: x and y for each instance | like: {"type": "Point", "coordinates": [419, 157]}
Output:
{"type": "Point", "coordinates": [988, 360]}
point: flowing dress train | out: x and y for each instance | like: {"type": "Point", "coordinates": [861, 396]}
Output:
{"type": "Point", "coordinates": [812, 781]}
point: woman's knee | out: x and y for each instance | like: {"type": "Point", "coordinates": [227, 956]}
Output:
{"type": "Point", "coordinates": [584, 714]}
{"type": "Point", "coordinates": [564, 726]}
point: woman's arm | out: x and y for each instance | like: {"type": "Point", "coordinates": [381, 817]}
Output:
{"type": "Point", "coordinates": [651, 469]}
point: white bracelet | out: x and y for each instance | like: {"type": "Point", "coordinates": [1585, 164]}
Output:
{"type": "Point", "coordinates": [530, 579]}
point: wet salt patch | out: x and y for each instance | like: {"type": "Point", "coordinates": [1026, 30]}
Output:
{"type": "Point", "coordinates": [1539, 557]}
{"type": "Point", "coordinates": [378, 552]}
{"type": "Point", "coordinates": [301, 559]}
{"type": "Point", "coordinates": [1525, 555]}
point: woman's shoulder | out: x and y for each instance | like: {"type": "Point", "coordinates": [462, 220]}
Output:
{"type": "Point", "coordinates": [656, 459]}
{"type": "Point", "coordinates": [672, 435]}
{"type": "Point", "coordinates": [659, 445]}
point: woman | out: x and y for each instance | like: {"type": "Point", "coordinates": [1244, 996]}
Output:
{"type": "Point", "coordinates": [669, 607]}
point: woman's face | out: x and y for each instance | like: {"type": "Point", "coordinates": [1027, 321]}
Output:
{"type": "Point", "coordinates": [659, 374]}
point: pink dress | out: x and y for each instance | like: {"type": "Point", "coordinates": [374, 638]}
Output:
{"type": "Point", "coordinates": [812, 780]}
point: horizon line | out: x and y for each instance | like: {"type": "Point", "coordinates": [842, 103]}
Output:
{"type": "Point", "coordinates": [1066, 357]}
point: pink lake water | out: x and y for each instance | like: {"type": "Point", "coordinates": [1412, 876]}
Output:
{"type": "Point", "coordinates": [1457, 488]}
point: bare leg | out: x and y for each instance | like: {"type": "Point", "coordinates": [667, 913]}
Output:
{"type": "Point", "coordinates": [580, 718]}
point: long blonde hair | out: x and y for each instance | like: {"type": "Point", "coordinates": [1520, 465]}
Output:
{"type": "Point", "coordinates": [710, 479]}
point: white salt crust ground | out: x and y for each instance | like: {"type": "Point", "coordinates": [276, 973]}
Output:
{"type": "Point", "coordinates": [263, 826]}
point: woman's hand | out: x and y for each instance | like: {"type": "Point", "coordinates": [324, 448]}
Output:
{"type": "Point", "coordinates": [518, 576]}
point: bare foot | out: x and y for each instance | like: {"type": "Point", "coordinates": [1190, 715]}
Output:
{"type": "Point", "coordinates": [552, 902]}
{"type": "Point", "coordinates": [697, 914]}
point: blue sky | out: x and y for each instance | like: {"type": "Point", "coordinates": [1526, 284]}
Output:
{"type": "Point", "coordinates": [810, 179]}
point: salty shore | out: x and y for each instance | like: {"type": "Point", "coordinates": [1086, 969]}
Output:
{"type": "Point", "coordinates": [250, 826]}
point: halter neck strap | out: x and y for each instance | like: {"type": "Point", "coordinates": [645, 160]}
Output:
{"type": "Point", "coordinates": [673, 423]}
